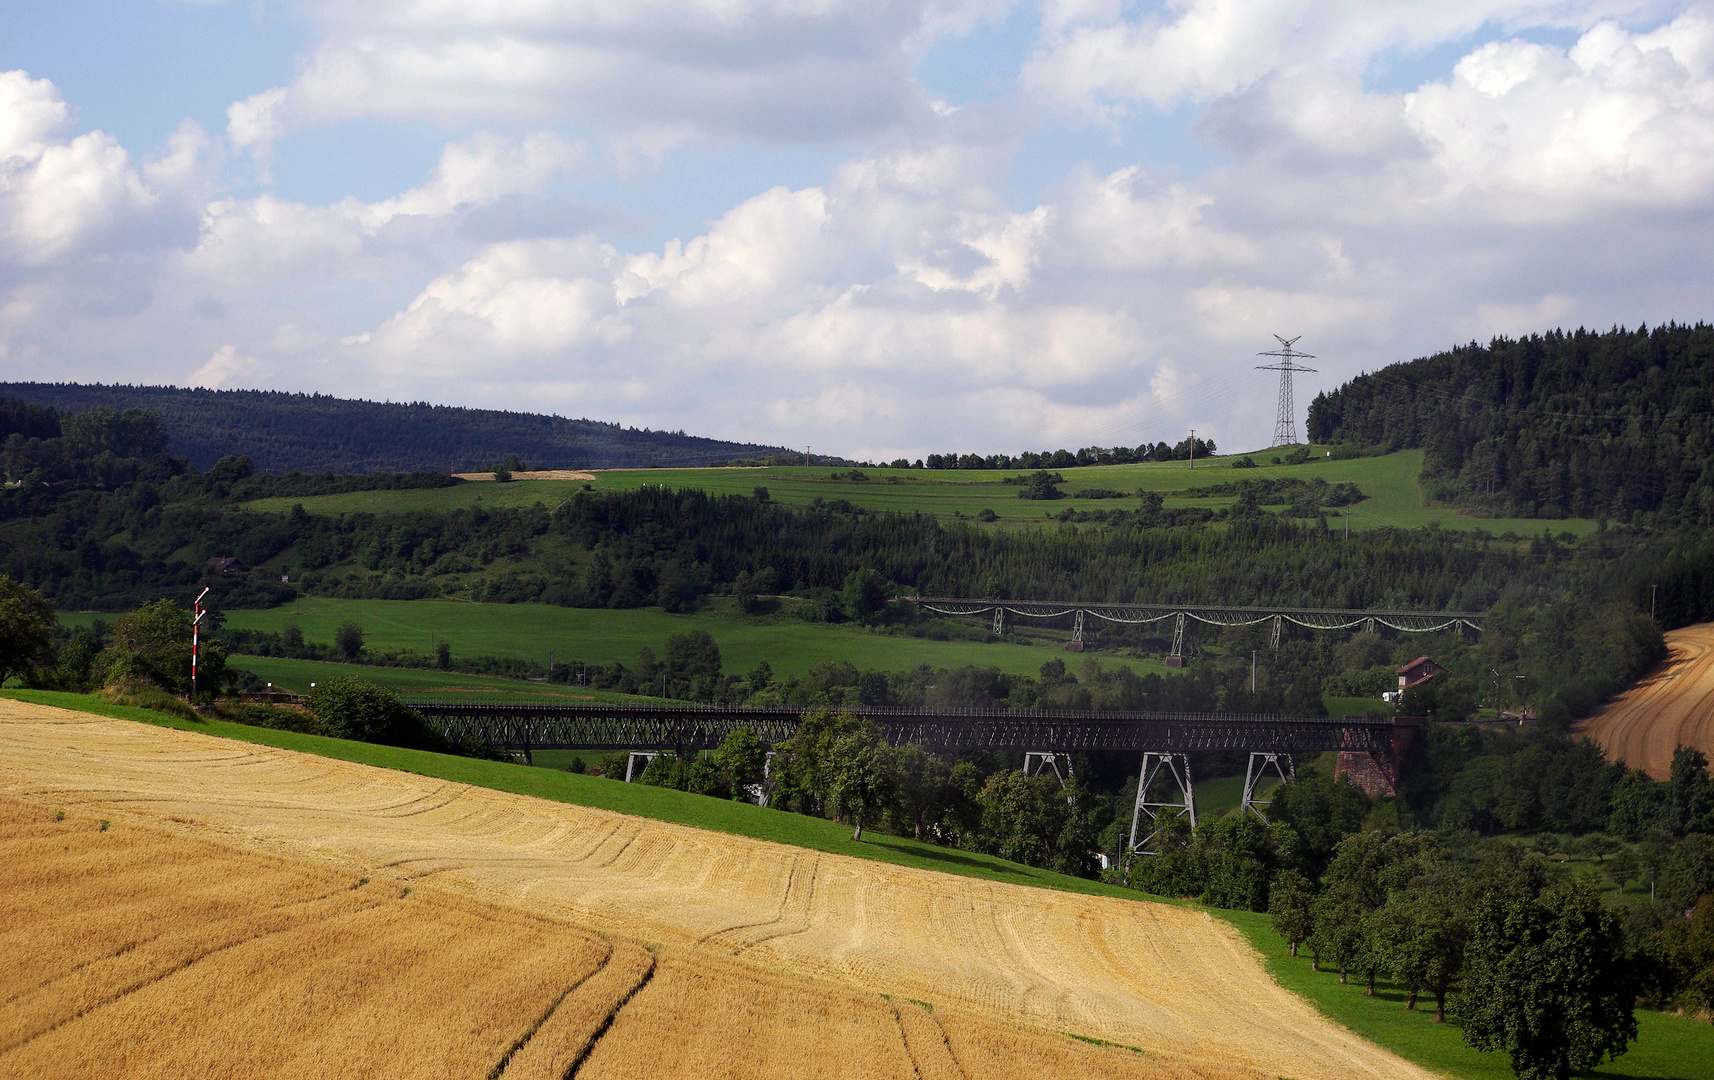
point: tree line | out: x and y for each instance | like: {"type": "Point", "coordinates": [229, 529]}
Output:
{"type": "Point", "coordinates": [1616, 424]}
{"type": "Point", "coordinates": [311, 433]}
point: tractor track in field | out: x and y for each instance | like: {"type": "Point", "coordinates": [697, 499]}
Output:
{"type": "Point", "coordinates": [813, 956]}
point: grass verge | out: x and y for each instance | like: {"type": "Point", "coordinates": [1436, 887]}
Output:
{"type": "Point", "coordinates": [1666, 1048]}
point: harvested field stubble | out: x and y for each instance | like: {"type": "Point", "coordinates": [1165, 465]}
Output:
{"type": "Point", "coordinates": [241, 942]}
{"type": "Point", "coordinates": [1666, 709]}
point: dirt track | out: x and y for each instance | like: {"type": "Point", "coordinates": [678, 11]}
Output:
{"type": "Point", "coordinates": [1672, 706]}
{"type": "Point", "coordinates": [735, 923]}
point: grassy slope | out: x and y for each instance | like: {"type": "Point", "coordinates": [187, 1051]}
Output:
{"type": "Point", "coordinates": [661, 804]}
{"type": "Point", "coordinates": [601, 636]}
{"type": "Point", "coordinates": [296, 675]}
{"type": "Point", "coordinates": [1395, 498]}
{"type": "Point", "coordinates": [1668, 1047]}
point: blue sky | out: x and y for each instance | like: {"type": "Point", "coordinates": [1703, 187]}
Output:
{"type": "Point", "coordinates": [882, 228]}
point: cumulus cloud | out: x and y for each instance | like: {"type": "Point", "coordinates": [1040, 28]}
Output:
{"type": "Point", "coordinates": [769, 69]}
{"type": "Point", "coordinates": [1619, 117]}
{"type": "Point", "coordinates": [225, 368]}
{"type": "Point", "coordinates": [1556, 168]}
{"type": "Point", "coordinates": [63, 194]}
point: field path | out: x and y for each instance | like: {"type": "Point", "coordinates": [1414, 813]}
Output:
{"type": "Point", "coordinates": [1175, 983]}
{"type": "Point", "coordinates": [1672, 706]}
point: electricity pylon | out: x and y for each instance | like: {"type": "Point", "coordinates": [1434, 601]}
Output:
{"type": "Point", "coordinates": [1285, 427]}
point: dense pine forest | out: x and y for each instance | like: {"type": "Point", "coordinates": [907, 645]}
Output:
{"type": "Point", "coordinates": [1616, 425]}
{"type": "Point", "coordinates": [282, 432]}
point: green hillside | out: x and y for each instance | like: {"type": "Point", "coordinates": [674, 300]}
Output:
{"type": "Point", "coordinates": [1394, 497]}
{"type": "Point", "coordinates": [298, 675]}
{"type": "Point", "coordinates": [603, 635]}
{"type": "Point", "coordinates": [314, 433]}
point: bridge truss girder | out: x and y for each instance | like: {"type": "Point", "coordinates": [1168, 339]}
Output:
{"type": "Point", "coordinates": [528, 726]}
{"type": "Point", "coordinates": [1409, 622]}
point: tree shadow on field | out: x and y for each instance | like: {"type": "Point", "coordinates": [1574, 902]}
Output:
{"type": "Point", "coordinates": [958, 858]}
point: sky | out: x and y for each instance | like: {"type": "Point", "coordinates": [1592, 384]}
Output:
{"type": "Point", "coordinates": [875, 228]}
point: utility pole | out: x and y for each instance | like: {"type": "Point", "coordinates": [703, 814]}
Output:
{"type": "Point", "coordinates": [1252, 673]}
{"type": "Point", "coordinates": [1285, 425]}
{"type": "Point", "coordinates": [195, 630]}
{"type": "Point", "coordinates": [1193, 448]}
{"type": "Point", "coordinates": [1652, 590]}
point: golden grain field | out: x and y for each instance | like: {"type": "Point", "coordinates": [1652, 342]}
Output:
{"type": "Point", "coordinates": [257, 912]}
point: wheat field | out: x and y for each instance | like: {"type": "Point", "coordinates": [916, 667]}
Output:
{"type": "Point", "coordinates": [258, 912]}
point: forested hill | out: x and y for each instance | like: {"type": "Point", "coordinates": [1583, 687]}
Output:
{"type": "Point", "coordinates": [280, 432]}
{"type": "Point", "coordinates": [1615, 424]}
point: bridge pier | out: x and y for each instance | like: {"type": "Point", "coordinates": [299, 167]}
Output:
{"type": "Point", "coordinates": [1148, 813]}
{"type": "Point", "coordinates": [631, 762]}
{"type": "Point", "coordinates": [1037, 762]}
{"type": "Point", "coordinates": [1260, 762]}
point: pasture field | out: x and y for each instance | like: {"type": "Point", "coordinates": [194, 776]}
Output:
{"type": "Point", "coordinates": [297, 675]}
{"type": "Point", "coordinates": [1395, 498]}
{"type": "Point", "coordinates": [678, 952]}
{"type": "Point", "coordinates": [602, 635]}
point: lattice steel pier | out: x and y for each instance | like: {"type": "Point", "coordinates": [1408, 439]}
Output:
{"type": "Point", "coordinates": [1163, 739]}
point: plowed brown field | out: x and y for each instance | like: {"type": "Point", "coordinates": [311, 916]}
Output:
{"type": "Point", "coordinates": [1672, 706]}
{"type": "Point", "coordinates": [223, 927]}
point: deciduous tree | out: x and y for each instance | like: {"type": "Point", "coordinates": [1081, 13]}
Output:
{"type": "Point", "coordinates": [26, 630]}
{"type": "Point", "coordinates": [1547, 981]}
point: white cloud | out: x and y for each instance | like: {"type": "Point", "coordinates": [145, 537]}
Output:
{"type": "Point", "coordinates": [761, 245]}
{"type": "Point", "coordinates": [771, 69]}
{"type": "Point", "coordinates": [225, 368]}
{"type": "Point", "coordinates": [1619, 118]}
{"type": "Point", "coordinates": [483, 169]}
{"type": "Point", "coordinates": [256, 123]}
{"type": "Point", "coordinates": [63, 194]}
{"type": "Point", "coordinates": [903, 300]}
{"type": "Point", "coordinates": [1095, 58]}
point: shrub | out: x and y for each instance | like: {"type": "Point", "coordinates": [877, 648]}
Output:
{"type": "Point", "coordinates": [145, 696]}
{"type": "Point", "coordinates": [353, 709]}
{"type": "Point", "coordinates": [349, 639]}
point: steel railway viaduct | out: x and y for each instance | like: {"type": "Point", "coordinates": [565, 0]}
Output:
{"type": "Point", "coordinates": [1370, 748]}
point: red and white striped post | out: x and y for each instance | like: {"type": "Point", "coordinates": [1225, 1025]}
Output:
{"type": "Point", "coordinates": [195, 627]}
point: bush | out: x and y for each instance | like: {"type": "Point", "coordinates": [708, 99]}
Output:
{"type": "Point", "coordinates": [145, 696]}
{"type": "Point", "coordinates": [274, 716]}
{"type": "Point", "coordinates": [353, 709]}
{"type": "Point", "coordinates": [349, 639]}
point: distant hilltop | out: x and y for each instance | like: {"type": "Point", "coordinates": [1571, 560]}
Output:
{"type": "Point", "coordinates": [281, 432]}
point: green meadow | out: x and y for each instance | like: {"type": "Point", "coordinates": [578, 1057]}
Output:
{"type": "Point", "coordinates": [601, 635]}
{"type": "Point", "coordinates": [1394, 499]}
{"type": "Point", "coordinates": [1668, 1047]}
{"type": "Point", "coordinates": [298, 676]}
